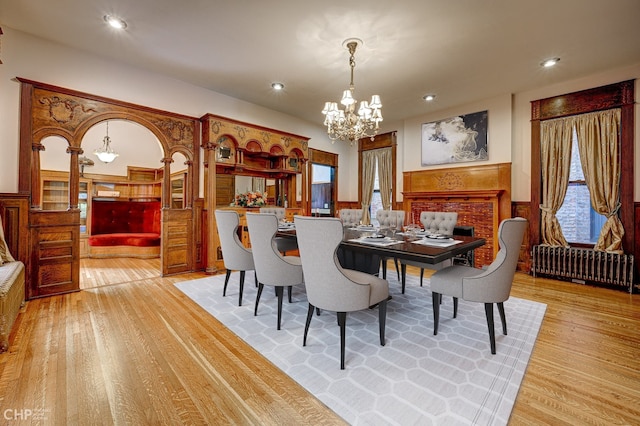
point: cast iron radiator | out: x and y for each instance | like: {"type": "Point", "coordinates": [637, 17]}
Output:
{"type": "Point", "coordinates": [584, 265]}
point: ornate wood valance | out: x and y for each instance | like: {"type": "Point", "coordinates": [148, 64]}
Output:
{"type": "Point", "coordinates": [248, 149]}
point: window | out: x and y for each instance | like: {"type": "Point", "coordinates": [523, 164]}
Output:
{"type": "Point", "coordinates": [376, 200]}
{"type": "Point", "coordinates": [579, 222]}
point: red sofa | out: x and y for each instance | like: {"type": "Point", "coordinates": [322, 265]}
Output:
{"type": "Point", "coordinates": [125, 223]}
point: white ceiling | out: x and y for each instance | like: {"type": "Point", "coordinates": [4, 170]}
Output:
{"type": "Point", "coordinates": [461, 50]}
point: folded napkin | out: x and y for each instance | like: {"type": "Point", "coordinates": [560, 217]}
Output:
{"type": "Point", "coordinates": [376, 241]}
{"type": "Point", "coordinates": [437, 242]}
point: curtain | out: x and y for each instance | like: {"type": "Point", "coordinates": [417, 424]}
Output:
{"type": "Point", "coordinates": [368, 178]}
{"type": "Point", "coordinates": [385, 175]}
{"type": "Point", "coordinates": [599, 152]}
{"type": "Point", "coordinates": [555, 159]}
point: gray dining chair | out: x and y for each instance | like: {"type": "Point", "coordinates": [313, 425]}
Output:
{"type": "Point", "coordinates": [236, 257]}
{"type": "Point", "coordinates": [390, 219]}
{"type": "Point", "coordinates": [435, 223]}
{"type": "Point", "coordinates": [284, 244]}
{"type": "Point", "coordinates": [272, 268]}
{"type": "Point", "coordinates": [490, 285]}
{"type": "Point", "coordinates": [331, 287]}
{"type": "Point", "coordinates": [350, 217]}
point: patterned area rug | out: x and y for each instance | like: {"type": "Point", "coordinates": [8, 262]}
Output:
{"type": "Point", "coordinates": [417, 378]}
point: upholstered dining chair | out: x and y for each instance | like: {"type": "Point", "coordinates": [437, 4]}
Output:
{"type": "Point", "coordinates": [435, 223]}
{"type": "Point", "coordinates": [331, 287]}
{"type": "Point", "coordinates": [236, 256]}
{"type": "Point", "coordinates": [284, 244]}
{"type": "Point", "coordinates": [490, 285]}
{"type": "Point", "coordinates": [350, 217]}
{"type": "Point", "coordinates": [387, 219]}
{"type": "Point", "coordinates": [272, 268]}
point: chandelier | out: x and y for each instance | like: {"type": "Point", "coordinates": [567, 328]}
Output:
{"type": "Point", "coordinates": [106, 154]}
{"type": "Point", "coordinates": [347, 124]}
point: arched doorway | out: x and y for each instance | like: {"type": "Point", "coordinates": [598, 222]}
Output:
{"type": "Point", "coordinates": [55, 235]}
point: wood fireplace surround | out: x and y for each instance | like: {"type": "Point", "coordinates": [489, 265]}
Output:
{"type": "Point", "coordinates": [480, 194]}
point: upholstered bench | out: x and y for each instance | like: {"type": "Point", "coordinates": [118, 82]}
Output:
{"type": "Point", "coordinates": [11, 298]}
{"type": "Point", "coordinates": [125, 229]}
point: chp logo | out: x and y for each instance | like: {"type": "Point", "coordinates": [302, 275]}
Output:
{"type": "Point", "coordinates": [24, 414]}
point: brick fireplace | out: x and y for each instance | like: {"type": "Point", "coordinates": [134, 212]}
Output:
{"type": "Point", "coordinates": [480, 194]}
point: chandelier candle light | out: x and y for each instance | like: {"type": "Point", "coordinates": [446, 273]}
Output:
{"type": "Point", "coordinates": [347, 125]}
{"type": "Point", "coordinates": [106, 154]}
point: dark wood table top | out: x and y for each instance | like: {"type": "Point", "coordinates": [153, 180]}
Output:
{"type": "Point", "coordinates": [404, 248]}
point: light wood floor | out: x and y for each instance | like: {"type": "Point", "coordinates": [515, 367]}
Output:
{"type": "Point", "coordinates": [141, 352]}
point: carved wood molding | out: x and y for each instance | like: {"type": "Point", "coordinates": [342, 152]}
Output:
{"type": "Point", "coordinates": [69, 113]}
{"type": "Point", "coordinates": [252, 139]}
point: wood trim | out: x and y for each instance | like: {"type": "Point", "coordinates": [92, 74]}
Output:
{"type": "Point", "coordinates": [384, 140]}
{"type": "Point", "coordinates": [330, 159]}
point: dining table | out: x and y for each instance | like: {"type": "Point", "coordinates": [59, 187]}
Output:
{"type": "Point", "coordinates": [363, 247]}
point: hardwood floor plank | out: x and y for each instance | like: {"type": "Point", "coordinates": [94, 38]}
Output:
{"type": "Point", "coordinates": [139, 351]}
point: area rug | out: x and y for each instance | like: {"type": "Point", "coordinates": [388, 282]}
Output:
{"type": "Point", "coordinates": [416, 378]}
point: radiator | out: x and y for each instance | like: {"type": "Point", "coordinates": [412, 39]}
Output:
{"type": "Point", "coordinates": [584, 265]}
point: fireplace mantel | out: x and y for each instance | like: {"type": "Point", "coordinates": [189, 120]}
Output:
{"type": "Point", "coordinates": [480, 194]}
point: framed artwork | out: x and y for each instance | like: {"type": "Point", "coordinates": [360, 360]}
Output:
{"type": "Point", "coordinates": [455, 140]}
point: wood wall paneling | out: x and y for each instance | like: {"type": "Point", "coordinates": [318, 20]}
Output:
{"type": "Point", "coordinates": [47, 110]}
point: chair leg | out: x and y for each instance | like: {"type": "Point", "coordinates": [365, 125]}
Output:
{"type": "Point", "coordinates": [342, 322]}
{"type": "Point", "coordinates": [503, 318]}
{"type": "Point", "coordinates": [306, 326]}
{"type": "Point", "coordinates": [488, 310]}
{"type": "Point", "coordinates": [289, 292]}
{"type": "Point", "coordinates": [382, 318]}
{"type": "Point", "coordinates": [403, 272]}
{"type": "Point", "coordinates": [318, 311]}
{"type": "Point", "coordinates": [280, 294]}
{"type": "Point", "coordinates": [421, 276]}
{"type": "Point", "coordinates": [260, 287]}
{"type": "Point", "coordinates": [255, 278]}
{"type": "Point", "coordinates": [241, 288]}
{"type": "Point", "coordinates": [226, 281]}
{"type": "Point", "coordinates": [455, 307]}
{"type": "Point", "coordinates": [435, 301]}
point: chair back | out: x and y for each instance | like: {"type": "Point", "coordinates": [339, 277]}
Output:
{"type": "Point", "coordinates": [439, 222]}
{"type": "Point", "coordinates": [393, 218]}
{"type": "Point", "coordinates": [271, 267]}
{"type": "Point", "coordinates": [350, 216]}
{"type": "Point", "coordinates": [494, 284]}
{"type": "Point", "coordinates": [280, 212]}
{"type": "Point", "coordinates": [236, 256]}
{"type": "Point", "coordinates": [327, 286]}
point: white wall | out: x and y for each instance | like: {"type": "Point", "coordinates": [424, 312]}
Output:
{"type": "Point", "coordinates": [36, 59]}
{"type": "Point", "coordinates": [509, 135]}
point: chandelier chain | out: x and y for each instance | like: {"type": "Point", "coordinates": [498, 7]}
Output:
{"type": "Point", "coordinates": [348, 124]}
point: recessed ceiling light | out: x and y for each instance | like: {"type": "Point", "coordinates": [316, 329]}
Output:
{"type": "Point", "coordinates": [115, 22]}
{"type": "Point", "coordinates": [277, 86]}
{"type": "Point", "coordinates": [548, 63]}
{"type": "Point", "coordinates": [429, 98]}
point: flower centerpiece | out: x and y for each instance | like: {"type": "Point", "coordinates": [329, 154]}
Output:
{"type": "Point", "coordinates": [250, 199]}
